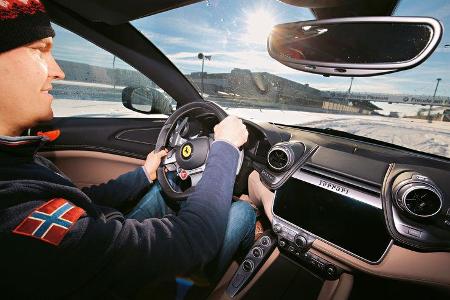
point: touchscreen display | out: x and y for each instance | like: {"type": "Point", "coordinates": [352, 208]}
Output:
{"type": "Point", "coordinates": [348, 223]}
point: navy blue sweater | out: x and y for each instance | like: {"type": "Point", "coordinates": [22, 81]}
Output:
{"type": "Point", "coordinates": [103, 251]}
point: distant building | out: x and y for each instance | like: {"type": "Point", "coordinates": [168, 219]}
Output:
{"type": "Point", "coordinates": [261, 86]}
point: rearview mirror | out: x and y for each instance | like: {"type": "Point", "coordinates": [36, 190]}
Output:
{"type": "Point", "coordinates": [146, 100]}
{"type": "Point", "coordinates": [361, 46]}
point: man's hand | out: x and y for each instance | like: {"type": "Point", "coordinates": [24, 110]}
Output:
{"type": "Point", "coordinates": [232, 130]}
{"type": "Point", "coordinates": [260, 195]}
{"type": "Point", "coordinates": [152, 163]}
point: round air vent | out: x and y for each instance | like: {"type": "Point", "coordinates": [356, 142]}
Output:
{"type": "Point", "coordinates": [280, 157]}
{"type": "Point", "coordinates": [421, 200]}
{"type": "Point", "coordinates": [418, 196]}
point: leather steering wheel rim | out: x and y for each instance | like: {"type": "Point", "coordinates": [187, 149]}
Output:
{"type": "Point", "coordinates": [163, 137]}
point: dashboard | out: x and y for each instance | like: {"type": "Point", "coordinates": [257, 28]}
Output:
{"type": "Point", "coordinates": [342, 204]}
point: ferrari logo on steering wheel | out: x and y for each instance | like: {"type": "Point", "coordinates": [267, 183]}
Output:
{"type": "Point", "coordinates": [186, 151]}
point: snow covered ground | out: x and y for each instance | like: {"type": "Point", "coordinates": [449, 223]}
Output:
{"type": "Point", "coordinates": [95, 109]}
{"type": "Point", "coordinates": [415, 134]}
{"type": "Point", "coordinates": [411, 133]}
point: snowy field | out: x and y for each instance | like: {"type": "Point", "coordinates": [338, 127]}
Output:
{"type": "Point", "coordinates": [95, 109]}
{"type": "Point", "coordinates": [411, 133]}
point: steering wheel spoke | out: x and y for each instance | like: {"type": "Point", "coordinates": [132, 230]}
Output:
{"type": "Point", "coordinates": [170, 158]}
{"type": "Point", "coordinates": [195, 174]}
{"type": "Point", "coordinates": [195, 178]}
{"type": "Point", "coordinates": [197, 171]}
{"type": "Point", "coordinates": [176, 139]}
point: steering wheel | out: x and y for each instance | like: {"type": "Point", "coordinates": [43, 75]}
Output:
{"type": "Point", "coordinates": [187, 156]}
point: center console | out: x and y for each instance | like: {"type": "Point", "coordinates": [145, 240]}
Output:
{"type": "Point", "coordinates": [335, 212]}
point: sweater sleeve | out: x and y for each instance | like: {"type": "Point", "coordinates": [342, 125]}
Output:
{"type": "Point", "coordinates": [127, 187]}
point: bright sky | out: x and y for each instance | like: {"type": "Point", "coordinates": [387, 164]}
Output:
{"type": "Point", "coordinates": [234, 32]}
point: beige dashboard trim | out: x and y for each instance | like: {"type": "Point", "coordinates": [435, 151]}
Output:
{"type": "Point", "coordinates": [219, 292]}
{"type": "Point", "coordinates": [344, 287]}
{"type": "Point", "coordinates": [337, 289]}
{"type": "Point", "coordinates": [399, 263]}
{"type": "Point", "coordinates": [86, 168]}
{"type": "Point", "coordinates": [90, 154]}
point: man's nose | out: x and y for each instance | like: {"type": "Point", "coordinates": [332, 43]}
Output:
{"type": "Point", "coordinates": [54, 70]}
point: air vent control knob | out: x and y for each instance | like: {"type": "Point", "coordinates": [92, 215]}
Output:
{"type": "Point", "coordinates": [277, 228]}
{"type": "Point", "coordinates": [300, 241]}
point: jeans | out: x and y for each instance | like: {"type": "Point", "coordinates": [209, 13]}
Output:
{"type": "Point", "coordinates": [239, 235]}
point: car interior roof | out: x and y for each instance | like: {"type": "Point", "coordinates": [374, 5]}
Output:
{"type": "Point", "coordinates": [358, 8]}
{"type": "Point", "coordinates": [329, 9]}
{"type": "Point", "coordinates": [114, 12]}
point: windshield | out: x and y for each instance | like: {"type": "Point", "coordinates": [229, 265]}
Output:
{"type": "Point", "coordinates": [221, 48]}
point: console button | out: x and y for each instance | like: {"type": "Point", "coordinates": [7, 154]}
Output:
{"type": "Point", "coordinates": [248, 265]}
{"type": "Point", "coordinates": [257, 252]}
{"type": "Point", "coordinates": [415, 232]}
{"type": "Point", "coordinates": [331, 270]}
{"type": "Point", "coordinates": [420, 178]}
{"type": "Point", "coordinates": [282, 243]}
{"type": "Point", "coordinates": [288, 237]}
{"type": "Point", "coordinates": [277, 228]}
{"type": "Point", "coordinates": [269, 177]}
{"type": "Point", "coordinates": [300, 241]}
{"type": "Point", "coordinates": [321, 265]}
{"type": "Point", "coordinates": [265, 241]}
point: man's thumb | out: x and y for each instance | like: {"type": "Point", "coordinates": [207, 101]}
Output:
{"type": "Point", "coordinates": [162, 153]}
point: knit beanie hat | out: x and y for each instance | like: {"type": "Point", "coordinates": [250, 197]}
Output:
{"type": "Point", "coordinates": [22, 22]}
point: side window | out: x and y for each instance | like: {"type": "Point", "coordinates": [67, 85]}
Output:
{"type": "Point", "coordinates": [95, 80]}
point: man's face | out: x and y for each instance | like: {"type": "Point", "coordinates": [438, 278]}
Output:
{"type": "Point", "coordinates": [26, 74]}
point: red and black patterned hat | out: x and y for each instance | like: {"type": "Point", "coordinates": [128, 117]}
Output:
{"type": "Point", "coordinates": [22, 22]}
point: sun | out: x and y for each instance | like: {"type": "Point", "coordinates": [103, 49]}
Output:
{"type": "Point", "coordinates": [259, 24]}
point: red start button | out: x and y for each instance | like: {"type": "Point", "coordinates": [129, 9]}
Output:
{"type": "Point", "coordinates": [183, 174]}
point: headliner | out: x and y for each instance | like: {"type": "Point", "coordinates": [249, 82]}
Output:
{"type": "Point", "coordinates": [114, 12]}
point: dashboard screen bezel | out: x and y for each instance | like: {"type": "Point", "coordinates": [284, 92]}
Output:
{"type": "Point", "coordinates": [346, 191]}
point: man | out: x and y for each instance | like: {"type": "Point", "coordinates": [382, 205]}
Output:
{"type": "Point", "coordinates": [59, 241]}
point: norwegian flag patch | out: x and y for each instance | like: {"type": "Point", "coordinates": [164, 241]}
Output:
{"type": "Point", "coordinates": [51, 221]}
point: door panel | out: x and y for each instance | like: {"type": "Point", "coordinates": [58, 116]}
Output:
{"type": "Point", "coordinates": [94, 150]}
{"type": "Point", "coordinates": [125, 137]}
{"type": "Point", "coordinates": [86, 168]}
